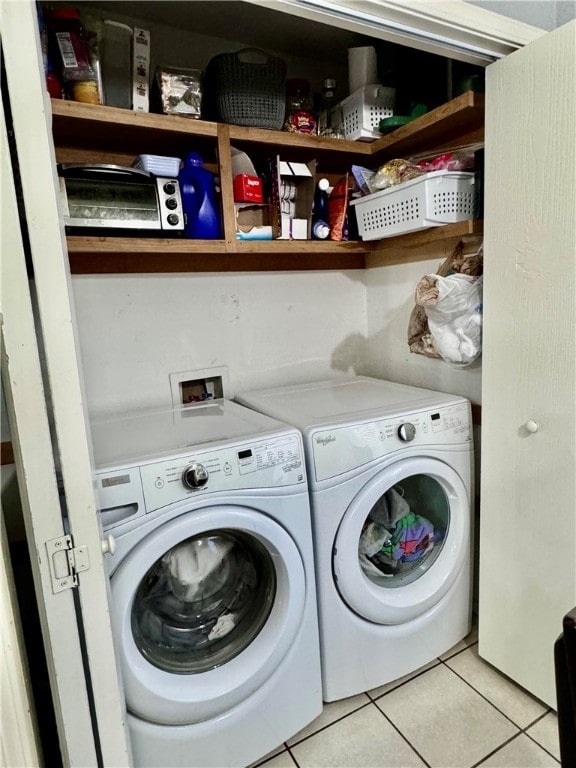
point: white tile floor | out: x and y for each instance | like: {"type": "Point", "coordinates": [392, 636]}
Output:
{"type": "Point", "coordinates": [457, 712]}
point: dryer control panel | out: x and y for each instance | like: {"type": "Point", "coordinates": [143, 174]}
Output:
{"type": "Point", "coordinates": [339, 449]}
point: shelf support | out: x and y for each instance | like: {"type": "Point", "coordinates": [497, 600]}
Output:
{"type": "Point", "coordinates": [227, 187]}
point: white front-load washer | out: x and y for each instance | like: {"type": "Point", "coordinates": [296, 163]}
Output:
{"type": "Point", "coordinates": [390, 472]}
{"type": "Point", "coordinates": [212, 589]}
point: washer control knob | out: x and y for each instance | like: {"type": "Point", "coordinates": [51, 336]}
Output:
{"type": "Point", "coordinates": [406, 432]}
{"type": "Point", "coordinates": [195, 476]}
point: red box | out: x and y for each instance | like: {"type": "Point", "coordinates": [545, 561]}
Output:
{"type": "Point", "coordinates": [247, 189]}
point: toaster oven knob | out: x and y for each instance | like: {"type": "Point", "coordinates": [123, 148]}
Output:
{"type": "Point", "coordinates": [169, 188]}
{"type": "Point", "coordinates": [407, 432]}
{"type": "Point", "coordinates": [171, 203]}
{"type": "Point", "coordinates": [195, 476]}
{"type": "Point", "coordinates": [172, 219]}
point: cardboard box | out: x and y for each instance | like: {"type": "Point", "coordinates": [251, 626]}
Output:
{"type": "Point", "coordinates": [256, 222]}
{"type": "Point", "coordinates": [140, 70]}
{"type": "Point", "coordinates": [296, 195]}
{"type": "Point", "coordinates": [247, 189]}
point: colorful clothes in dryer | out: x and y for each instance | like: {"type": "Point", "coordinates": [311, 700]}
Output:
{"type": "Point", "coordinates": [412, 536]}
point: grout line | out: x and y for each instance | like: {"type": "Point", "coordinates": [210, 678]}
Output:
{"type": "Point", "coordinates": [497, 749]}
{"type": "Point", "coordinates": [328, 725]}
{"type": "Point", "coordinates": [520, 728]}
{"type": "Point", "coordinates": [289, 750]}
{"type": "Point", "coordinates": [412, 747]}
{"type": "Point", "coordinates": [415, 676]}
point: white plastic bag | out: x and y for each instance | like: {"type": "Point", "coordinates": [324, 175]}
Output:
{"type": "Point", "coordinates": [453, 306]}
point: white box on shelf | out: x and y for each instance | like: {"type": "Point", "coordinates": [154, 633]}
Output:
{"type": "Point", "coordinates": [140, 70]}
{"type": "Point", "coordinates": [437, 198]}
{"type": "Point", "coordinates": [360, 114]}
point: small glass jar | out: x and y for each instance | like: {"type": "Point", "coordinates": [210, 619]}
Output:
{"type": "Point", "coordinates": [299, 119]}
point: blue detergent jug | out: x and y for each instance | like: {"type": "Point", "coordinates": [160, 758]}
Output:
{"type": "Point", "coordinates": [199, 200]}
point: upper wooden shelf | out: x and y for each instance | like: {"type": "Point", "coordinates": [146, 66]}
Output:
{"type": "Point", "coordinates": [92, 133]}
{"type": "Point", "coordinates": [91, 125]}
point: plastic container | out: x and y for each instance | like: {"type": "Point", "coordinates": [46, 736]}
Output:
{"type": "Point", "coordinates": [159, 165]}
{"type": "Point", "coordinates": [71, 52]}
{"type": "Point", "coordinates": [441, 197]}
{"type": "Point", "coordinates": [199, 200]}
{"type": "Point", "coordinates": [320, 226]}
{"type": "Point", "coordinates": [116, 64]}
{"type": "Point", "coordinates": [359, 116]}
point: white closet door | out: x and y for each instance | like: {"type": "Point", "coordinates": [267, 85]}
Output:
{"type": "Point", "coordinates": [104, 733]}
{"type": "Point", "coordinates": [528, 486]}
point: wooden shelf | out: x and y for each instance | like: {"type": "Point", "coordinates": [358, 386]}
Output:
{"type": "Point", "coordinates": [456, 123]}
{"type": "Point", "coordinates": [94, 133]}
{"type": "Point", "coordinates": [102, 255]}
{"type": "Point", "coordinates": [413, 246]}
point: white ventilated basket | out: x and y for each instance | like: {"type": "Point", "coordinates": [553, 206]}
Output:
{"type": "Point", "coordinates": [359, 115]}
{"type": "Point", "coordinates": [441, 197]}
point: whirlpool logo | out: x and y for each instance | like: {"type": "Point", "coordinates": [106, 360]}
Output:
{"type": "Point", "coordinates": [325, 439]}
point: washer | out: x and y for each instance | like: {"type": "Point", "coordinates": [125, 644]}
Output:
{"type": "Point", "coordinates": [212, 581]}
{"type": "Point", "coordinates": [390, 472]}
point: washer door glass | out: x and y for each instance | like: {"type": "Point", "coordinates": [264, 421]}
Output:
{"type": "Point", "coordinates": [403, 541]}
{"type": "Point", "coordinates": [204, 601]}
{"type": "Point", "coordinates": [205, 608]}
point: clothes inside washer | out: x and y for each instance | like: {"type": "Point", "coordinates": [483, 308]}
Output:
{"type": "Point", "coordinates": [198, 593]}
{"type": "Point", "coordinates": [197, 567]}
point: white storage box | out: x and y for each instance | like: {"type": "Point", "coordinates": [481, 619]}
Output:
{"type": "Point", "coordinates": [441, 197]}
{"type": "Point", "coordinates": [158, 165]}
{"type": "Point", "coordinates": [359, 115]}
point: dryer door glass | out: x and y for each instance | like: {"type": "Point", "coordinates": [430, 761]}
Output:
{"type": "Point", "coordinates": [403, 541]}
{"type": "Point", "coordinates": [203, 602]}
{"type": "Point", "coordinates": [404, 531]}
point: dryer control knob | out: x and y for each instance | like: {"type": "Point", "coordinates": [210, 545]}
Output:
{"type": "Point", "coordinates": [406, 432]}
{"type": "Point", "coordinates": [195, 476]}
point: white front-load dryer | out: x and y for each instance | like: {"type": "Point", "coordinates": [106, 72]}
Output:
{"type": "Point", "coordinates": [390, 472]}
{"type": "Point", "coordinates": [212, 581]}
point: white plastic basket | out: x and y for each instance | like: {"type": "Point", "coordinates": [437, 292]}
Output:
{"type": "Point", "coordinates": [441, 197]}
{"type": "Point", "coordinates": [359, 115]}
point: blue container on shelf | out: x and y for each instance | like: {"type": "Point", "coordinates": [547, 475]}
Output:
{"type": "Point", "coordinates": [197, 187]}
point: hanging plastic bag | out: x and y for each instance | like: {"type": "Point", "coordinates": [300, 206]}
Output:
{"type": "Point", "coordinates": [420, 338]}
{"type": "Point", "coordinates": [453, 306]}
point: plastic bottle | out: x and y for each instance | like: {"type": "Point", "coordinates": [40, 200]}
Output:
{"type": "Point", "coordinates": [199, 200]}
{"type": "Point", "coordinates": [320, 226]}
{"type": "Point", "coordinates": [325, 127]}
{"type": "Point", "coordinates": [72, 54]}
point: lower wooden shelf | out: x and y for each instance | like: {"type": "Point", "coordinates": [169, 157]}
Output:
{"type": "Point", "coordinates": [122, 255]}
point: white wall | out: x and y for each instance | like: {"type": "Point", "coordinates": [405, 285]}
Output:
{"type": "Point", "coordinates": [269, 329]}
{"type": "Point", "coordinates": [546, 14]}
{"type": "Point", "coordinates": [390, 300]}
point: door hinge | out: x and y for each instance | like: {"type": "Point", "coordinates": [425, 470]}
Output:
{"type": "Point", "coordinates": [66, 562]}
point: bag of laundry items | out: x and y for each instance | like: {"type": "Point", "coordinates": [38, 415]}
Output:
{"type": "Point", "coordinates": [453, 306]}
{"type": "Point", "coordinates": [421, 339]}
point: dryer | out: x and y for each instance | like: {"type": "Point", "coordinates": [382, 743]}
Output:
{"type": "Point", "coordinates": [212, 589]}
{"type": "Point", "coordinates": [390, 472]}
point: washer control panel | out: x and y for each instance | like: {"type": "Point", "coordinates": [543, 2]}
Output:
{"type": "Point", "coordinates": [266, 463]}
{"type": "Point", "coordinates": [342, 448]}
